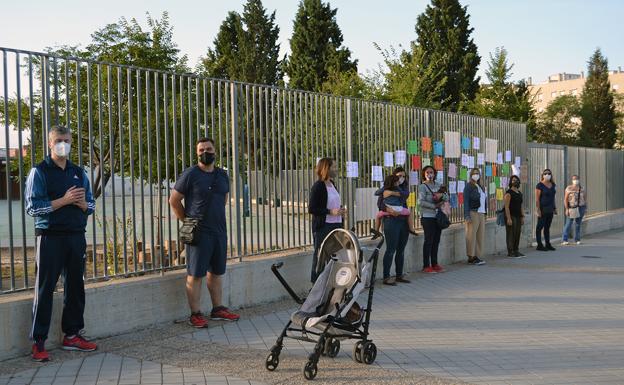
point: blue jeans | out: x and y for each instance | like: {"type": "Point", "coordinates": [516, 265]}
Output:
{"type": "Point", "coordinates": [577, 226]}
{"type": "Point", "coordinates": [396, 233]}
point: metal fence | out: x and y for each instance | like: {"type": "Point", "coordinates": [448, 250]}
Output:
{"type": "Point", "coordinates": [600, 172]}
{"type": "Point", "coordinates": [135, 129]}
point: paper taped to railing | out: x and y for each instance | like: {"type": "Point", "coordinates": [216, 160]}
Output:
{"type": "Point", "coordinates": [365, 204]}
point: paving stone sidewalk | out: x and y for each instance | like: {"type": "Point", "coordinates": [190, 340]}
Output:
{"type": "Point", "coordinates": [549, 318]}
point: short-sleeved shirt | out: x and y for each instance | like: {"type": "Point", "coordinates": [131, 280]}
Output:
{"type": "Point", "coordinates": [195, 184]}
{"type": "Point", "coordinates": [547, 196]}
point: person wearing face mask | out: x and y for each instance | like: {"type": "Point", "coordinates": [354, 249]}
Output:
{"type": "Point", "coordinates": [204, 189]}
{"type": "Point", "coordinates": [325, 206]}
{"type": "Point", "coordinates": [58, 195]}
{"type": "Point", "coordinates": [575, 203]}
{"type": "Point", "coordinates": [514, 217]}
{"type": "Point", "coordinates": [475, 208]}
{"type": "Point", "coordinates": [545, 209]}
{"type": "Point", "coordinates": [428, 208]}
{"type": "Point", "coordinates": [397, 194]}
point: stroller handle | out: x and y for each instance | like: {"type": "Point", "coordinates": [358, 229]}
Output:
{"type": "Point", "coordinates": [280, 278]}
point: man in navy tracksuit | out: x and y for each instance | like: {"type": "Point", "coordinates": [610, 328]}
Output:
{"type": "Point", "coordinates": [59, 196]}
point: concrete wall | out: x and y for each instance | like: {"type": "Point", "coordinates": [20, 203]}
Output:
{"type": "Point", "coordinates": [123, 305]}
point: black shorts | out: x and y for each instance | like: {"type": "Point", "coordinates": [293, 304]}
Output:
{"type": "Point", "coordinates": [208, 255]}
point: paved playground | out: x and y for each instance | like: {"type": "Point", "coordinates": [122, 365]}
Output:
{"type": "Point", "coordinates": [549, 318]}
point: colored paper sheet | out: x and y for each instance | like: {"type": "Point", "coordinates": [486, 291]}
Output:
{"type": "Point", "coordinates": [463, 173]}
{"type": "Point", "coordinates": [377, 174]}
{"type": "Point", "coordinates": [471, 162]}
{"type": "Point", "coordinates": [499, 158]}
{"type": "Point", "coordinates": [480, 159]}
{"type": "Point", "coordinates": [454, 201]}
{"type": "Point", "coordinates": [352, 169]}
{"type": "Point", "coordinates": [414, 178]}
{"type": "Point", "coordinates": [491, 148]}
{"type": "Point", "coordinates": [411, 200]}
{"type": "Point", "coordinates": [497, 181]}
{"type": "Point", "coordinates": [412, 147]}
{"type": "Point", "coordinates": [416, 162]}
{"type": "Point", "coordinates": [461, 185]}
{"type": "Point", "coordinates": [438, 148]}
{"type": "Point", "coordinates": [476, 142]}
{"type": "Point", "coordinates": [518, 161]}
{"type": "Point", "coordinates": [505, 169]}
{"type": "Point", "coordinates": [452, 187]}
{"type": "Point", "coordinates": [494, 170]}
{"type": "Point", "coordinates": [492, 188]}
{"type": "Point", "coordinates": [426, 162]}
{"type": "Point", "coordinates": [460, 198]}
{"type": "Point", "coordinates": [426, 144]}
{"type": "Point", "coordinates": [465, 143]}
{"type": "Point", "coordinates": [388, 159]}
{"type": "Point", "coordinates": [488, 170]}
{"type": "Point", "coordinates": [452, 170]}
{"type": "Point", "coordinates": [438, 163]}
{"type": "Point", "coordinates": [400, 157]}
{"type": "Point", "coordinates": [440, 177]}
{"type": "Point", "coordinates": [499, 194]}
{"type": "Point", "coordinates": [451, 144]}
{"type": "Point", "coordinates": [508, 156]}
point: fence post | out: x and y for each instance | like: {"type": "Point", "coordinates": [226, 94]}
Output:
{"type": "Point", "coordinates": [235, 166]}
{"type": "Point", "coordinates": [350, 181]}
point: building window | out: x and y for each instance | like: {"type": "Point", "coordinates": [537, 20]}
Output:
{"type": "Point", "coordinates": [553, 94]}
{"type": "Point", "coordinates": [561, 93]}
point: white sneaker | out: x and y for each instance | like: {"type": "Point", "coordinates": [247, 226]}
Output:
{"type": "Point", "coordinates": [578, 242]}
{"type": "Point", "coordinates": [565, 243]}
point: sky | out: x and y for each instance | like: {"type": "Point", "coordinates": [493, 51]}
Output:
{"type": "Point", "coordinates": [542, 37]}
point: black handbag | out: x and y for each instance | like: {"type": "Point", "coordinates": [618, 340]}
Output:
{"type": "Point", "coordinates": [190, 226]}
{"type": "Point", "coordinates": [441, 219]}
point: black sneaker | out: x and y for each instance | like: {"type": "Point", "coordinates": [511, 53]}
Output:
{"type": "Point", "coordinates": [519, 254]}
{"type": "Point", "coordinates": [549, 247]}
{"type": "Point", "coordinates": [540, 247]}
{"type": "Point", "coordinates": [476, 261]}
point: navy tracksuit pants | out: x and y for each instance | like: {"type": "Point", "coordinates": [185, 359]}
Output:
{"type": "Point", "coordinates": [56, 255]}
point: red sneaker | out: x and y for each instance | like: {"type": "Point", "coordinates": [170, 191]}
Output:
{"type": "Point", "coordinates": [222, 313]}
{"type": "Point", "coordinates": [78, 342]}
{"type": "Point", "coordinates": [438, 268]}
{"type": "Point", "coordinates": [428, 269]}
{"type": "Point", "coordinates": [197, 320]}
{"type": "Point", "coordinates": [39, 353]}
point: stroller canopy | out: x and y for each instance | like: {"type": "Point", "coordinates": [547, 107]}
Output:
{"type": "Point", "coordinates": [343, 245]}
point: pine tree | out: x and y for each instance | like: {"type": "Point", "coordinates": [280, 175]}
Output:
{"type": "Point", "coordinates": [221, 62]}
{"type": "Point", "coordinates": [444, 36]}
{"type": "Point", "coordinates": [598, 107]}
{"type": "Point", "coordinates": [560, 122]}
{"type": "Point", "coordinates": [316, 47]}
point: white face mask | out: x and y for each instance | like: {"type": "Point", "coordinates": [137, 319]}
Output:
{"type": "Point", "coordinates": [475, 177]}
{"type": "Point", "coordinates": [547, 177]}
{"type": "Point", "coordinates": [429, 176]}
{"type": "Point", "coordinates": [575, 182]}
{"type": "Point", "coordinates": [61, 149]}
{"type": "Point", "coordinates": [401, 180]}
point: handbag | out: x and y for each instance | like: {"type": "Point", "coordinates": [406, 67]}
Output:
{"type": "Point", "coordinates": [190, 226]}
{"type": "Point", "coordinates": [500, 217]}
{"type": "Point", "coordinates": [441, 219]}
{"type": "Point", "coordinates": [574, 212]}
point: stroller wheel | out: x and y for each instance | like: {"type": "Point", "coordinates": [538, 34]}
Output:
{"type": "Point", "coordinates": [309, 371]}
{"type": "Point", "coordinates": [357, 352]}
{"type": "Point", "coordinates": [271, 362]}
{"type": "Point", "coordinates": [370, 353]}
{"type": "Point", "coordinates": [332, 347]}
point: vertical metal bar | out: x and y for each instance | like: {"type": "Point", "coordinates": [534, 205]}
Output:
{"type": "Point", "coordinates": [122, 174]}
{"type": "Point", "coordinates": [67, 105]}
{"type": "Point", "coordinates": [262, 109]}
{"type": "Point", "coordinates": [176, 156]}
{"type": "Point", "coordinates": [273, 173]}
{"type": "Point", "coordinates": [101, 167]}
{"type": "Point", "coordinates": [79, 114]}
{"type": "Point", "coordinates": [235, 165]}
{"type": "Point", "coordinates": [257, 170]}
{"type": "Point", "coordinates": [233, 174]}
{"type": "Point", "coordinates": [56, 92]}
{"type": "Point", "coordinates": [189, 101]}
{"type": "Point", "coordinates": [20, 131]}
{"type": "Point", "coordinates": [150, 182]}
{"type": "Point", "coordinates": [159, 179]}
{"type": "Point", "coordinates": [45, 90]}
{"type": "Point", "coordinates": [141, 180]}
{"type": "Point", "coordinates": [172, 250]}
{"type": "Point", "coordinates": [111, 157]}
{"type": "Point", "coordinates": [7, 169]}
{"type": "Point", "coordinates": [91, 139]}
{"type": "Point", "coordinates": [246, 197]}
{"type": "Point", "coordinates": [197, 94]}
{"type": "Point", "coordinates": [131, 167]}
{"type": "Point", "coordinates": [182, 135]}
{"type": "Point", "coordinates": [31, 112]}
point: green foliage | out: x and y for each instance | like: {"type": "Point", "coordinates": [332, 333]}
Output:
{"type": "Point", "coordinates": [246, 47]}
{"type": "Point", "coordinates": [598, 107]}
{"type": "Point", "coordinates": [448, 52]}
{"type": "Point", "coordinates": [501, 98]}
{"type": "Point", "coordinates": [316, 47]}
{"type": "Point", "coordinates": [560, 122]}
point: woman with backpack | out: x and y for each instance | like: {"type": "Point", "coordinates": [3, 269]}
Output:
{"type": "Point", "coordinates": [575, 203]}
{"type": "Point", "coordinates": [429, 204]}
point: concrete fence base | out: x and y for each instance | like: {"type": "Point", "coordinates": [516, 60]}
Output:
{"type": "Point", "coordinates": [123, 305]}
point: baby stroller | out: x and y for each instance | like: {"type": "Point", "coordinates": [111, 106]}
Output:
{"type": "Point", "coordinates": [330, 312]}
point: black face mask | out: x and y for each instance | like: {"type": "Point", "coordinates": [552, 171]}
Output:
{"type": "Point", "coordinates": [207, 158]}
{"type": "Point", "coordinates": [515, 184]}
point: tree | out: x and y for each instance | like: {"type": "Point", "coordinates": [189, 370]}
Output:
{"type": "Point", "coordinates": [316, 47]}
{"type": "Point", "coordinates": [449, 52]}
{"type": "Point", "coordinates": [560, 122]}
{"type": "Point", "coordinates": [501, 98]}
{"type": "Point", "coordinates": [619, 108]}
{"type": "Point", "coordinates": [408, 82]}
{"type": "Point", "coordinates": [246, 47]}
{"type": "Point", "coordinates": [598, 107]}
